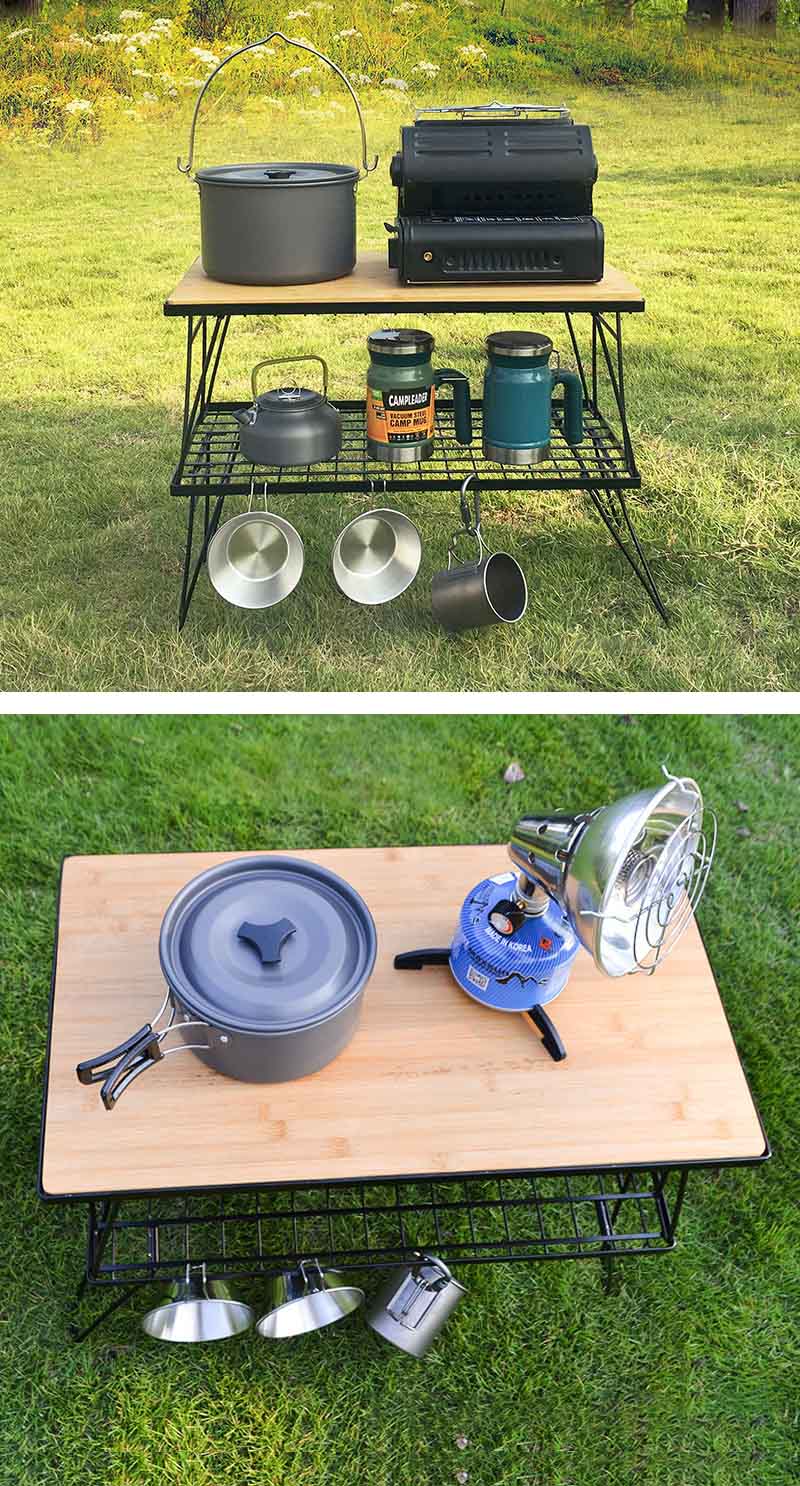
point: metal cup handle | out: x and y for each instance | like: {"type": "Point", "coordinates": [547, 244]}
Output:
{"type": "Point", "coordinates": [304, 47]}
{"type": "Point", "coordinates": [288, 361]}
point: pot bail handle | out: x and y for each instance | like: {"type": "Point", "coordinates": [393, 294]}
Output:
{"type": "Point", "coordinates": [287, 361]}
{"type": "Point", "coordinates": [366, 168]}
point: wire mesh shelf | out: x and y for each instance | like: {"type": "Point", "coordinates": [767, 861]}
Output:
{"type": "Point", "coordinates": [213, 465]}
{"type": "Point", "coordinates": [362, 1226]}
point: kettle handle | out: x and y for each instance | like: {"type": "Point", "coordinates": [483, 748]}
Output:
{"type": "Point", "coordinates": [288, 361]}
{"type": "Point", "coordinates": [304, 47]}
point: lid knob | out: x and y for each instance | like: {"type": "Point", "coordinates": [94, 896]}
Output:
{"type": "Point", "coordinates": [268, 939]}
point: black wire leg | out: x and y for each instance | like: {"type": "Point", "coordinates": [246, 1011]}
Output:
{"type": "Point", "coordinates": [612, 508]}
{"type": "Point", "coordinates": [191, 571]}
{"type": "Point", "coordinates": [79, 1333]}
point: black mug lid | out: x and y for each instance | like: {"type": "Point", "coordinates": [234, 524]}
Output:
{"type": "Point", "coordinates": [391, 342]}
{"type": "Point", "coordinates": [518, 343]}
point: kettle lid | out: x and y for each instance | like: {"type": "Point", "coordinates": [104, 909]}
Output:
{"type": "Point", "coordinates": [288, 400]}
{"type": "Point", "coordinates": [518, 343]}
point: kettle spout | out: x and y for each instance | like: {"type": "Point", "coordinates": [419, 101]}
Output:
{"type": "Point", "coordinates": [245, 416]}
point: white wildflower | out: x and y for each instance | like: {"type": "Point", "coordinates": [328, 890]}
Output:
{"type": "Point", "coordinates": [261, 51]}
{"type": "Point", "coordinates": [131, 51]}
{"type": "Point", "coordinates": [150, 97]}
{"type": "Point", "coordinates": [473, 53]}
{"type": "Point", "coordinates": [131, 15]}
{"type": "Point", "coordinates": [78, 106]}
{"type": "Point", "coordinates": [20, 31]}
{"type": "Point", "coordinates": [394, 82]}
{"type": "Point", "coordinates": [318, 5]}
{"type": "Point", "coordinates": [341, 35]}
{"type": "Point", "coordinates": [203, 55]}
{"type": "Point", "coordinates": [404, 9]}
{"type": "Point", "coordinates": [294, 15]}
{"type": "Point", "coordinates": [140, 72]}
{"type": "Point", "coordinates": [109, 38]}
{"type": "Point", "coordinates": [161, 23]}
{"type": "Point", "coordinates": [274, 102]}
{"type": "Point", "coordinates": [192, 82]}
{"type": "Point", "coordinates": [76, 40]}
{"type": "Point", "coordinates": [315, 92]}
{"type": "Point", "coordinates": [361, 80]}
{"type": "Point", "coordinates": [428, 69]}
{"type": "Point", "coordinates": [301, 72]}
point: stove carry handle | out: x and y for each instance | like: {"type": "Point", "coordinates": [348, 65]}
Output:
{"type": "Point", "coordinates": [417, 959]}
{"type": "Point", "coordinates": [366, 167]}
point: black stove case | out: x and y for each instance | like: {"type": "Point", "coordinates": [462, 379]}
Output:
{"type": "Point", "coordinates": [495, 193]}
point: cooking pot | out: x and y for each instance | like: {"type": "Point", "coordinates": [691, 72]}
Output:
{"type": "Point", "coordinates": [284, 223]}
{"type": "Point", "coordinates": [289, 425]}
{"type": "Point", "coordinates": [265, 959]}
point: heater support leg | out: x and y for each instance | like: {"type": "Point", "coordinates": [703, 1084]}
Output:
{"type": "Point", "coordinates": [551, 1040]}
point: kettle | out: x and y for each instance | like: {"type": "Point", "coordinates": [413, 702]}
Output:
{"type": "Point", "coordinates": [517, 398]}
{"type": "Point", "coordinates": [289, 425]}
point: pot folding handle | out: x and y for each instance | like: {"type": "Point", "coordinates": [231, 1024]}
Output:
{"type": "Point", "coordinates": [287, 361]}
{"type": "Point", "coordinates": [118, 1067]}
{"type": "Point", "coordinates": [304, 47]}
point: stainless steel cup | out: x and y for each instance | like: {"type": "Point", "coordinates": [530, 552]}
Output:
{"type": "Point", "coordinates": [197, 1309]}
{"type": "Point", "coordinates": [376, 556]}
{"type": "Point", "coordinates": [306, 1299]}
{"type": "Point", "coordinates": [255, 560]}
{"type": "Point", "coordinates": [490, 590]}
{"type": "Point", "coordinates": [414, 1304]}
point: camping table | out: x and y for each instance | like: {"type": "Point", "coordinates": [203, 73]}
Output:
{"type": "Point", "coordinates": [210, 466]}
{"type": "Point", "coordinates": [443, 1125]}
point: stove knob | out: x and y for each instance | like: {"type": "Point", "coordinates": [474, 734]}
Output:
{"type": "Point", "coordinates": [506, 916]}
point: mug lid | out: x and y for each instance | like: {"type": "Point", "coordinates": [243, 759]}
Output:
{"type": "Point", "coordinates": [390, 342]}
{"type": "Point", "coordinates": [518, 343]}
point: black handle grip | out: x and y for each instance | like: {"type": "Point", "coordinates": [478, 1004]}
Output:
{"type": "Point", "coordinates": [462, 406]}
{"type": "Point", "coordinates": [144, 1053]}
{"type": "Point", "coordinates": [416, 959]}
{"type": "Point", "coordinates": [268, 939]}
{"type": "Point", "coordinates": [94, 1070]}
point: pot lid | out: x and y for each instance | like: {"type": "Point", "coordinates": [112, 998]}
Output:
{"type": "Point", "coordinates": [518, 343]}
{"type": "Point", "coordinates": [400, 342]}
{"type": "Point", "coordinates": [267, 944]}
{"type": "Point", "coordinates": [288, 400]}
{"type": "Point", "coordinates": [278, 173]}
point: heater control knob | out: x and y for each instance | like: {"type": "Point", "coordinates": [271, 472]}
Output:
{"type": "Point", "coordinates": [506, 917]}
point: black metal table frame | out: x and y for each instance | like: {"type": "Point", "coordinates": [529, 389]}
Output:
{"type": "Point", "coordinates": [159, 1233]}
{"type": "Point", "coordinates": [210, 468]}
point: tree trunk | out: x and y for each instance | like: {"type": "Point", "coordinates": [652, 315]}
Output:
{"type": "Point", "coordinates": [23, 7]}
{"type": "Point", "coordinates": [752, 15]}
{"type": "Point", "coordinates": [705, 12]}
{"type": "Point", "coordinates": [621, 10]}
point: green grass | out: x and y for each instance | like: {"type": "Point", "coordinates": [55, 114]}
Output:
{"type": "Point", "coordinates": [698, 195]}
{"type": "Point", "coordinates": [686, 1377]}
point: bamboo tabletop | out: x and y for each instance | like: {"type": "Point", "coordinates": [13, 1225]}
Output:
{"type": "Point", "coordinates": [374, 286]}
{"type": "Point", "coordinates": [431, 1084]}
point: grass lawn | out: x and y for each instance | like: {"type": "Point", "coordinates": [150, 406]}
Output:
{"type": "Point", "coordinates": [698, 193]}
{"type": "Point", "coordinates": [685, 1377]}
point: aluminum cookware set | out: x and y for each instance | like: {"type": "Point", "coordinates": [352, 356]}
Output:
{"type": "Point", "coordinates": [409, 1311]}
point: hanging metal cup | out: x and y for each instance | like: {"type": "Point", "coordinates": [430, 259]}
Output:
{"type": "Point", "coordinates": [489, 590]}
{"type": "Point", "coordinates": [414, 1304]}
{"type": "Point", "coordinates": [255, 560]}
{"type": "Point", "coordinates": [305, 1299]}
{"type": "Point", "coordinates": [197, 1309]}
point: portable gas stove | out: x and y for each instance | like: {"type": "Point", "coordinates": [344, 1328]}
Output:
{"type": "Point", "coordinates": [499, 192]}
